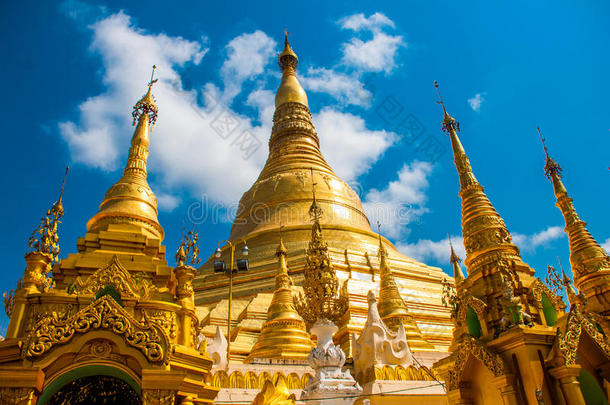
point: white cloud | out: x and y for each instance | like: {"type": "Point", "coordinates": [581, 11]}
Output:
{"type": "Point", "coordinates": [402, 201]}
{"type": "Point", "coordinates": [185, 150]}
{"type": "Point", "coordinates": [376, 54]}
{"type": "Point", "coordinates": [529, 243]}
{"type": "Point", "coordinates": [476, 101]}
{"type": "Point", "coordinates": [348, 146]}
{"type": "Point", "coordinates": [439, 251]}
{"type": "Point", "coordinates": [248, 55]}
{"type": "Point", "coordinates": [167, 202]}
{"type": "Point", "coordinates": [357, 22]}
{"type": "Point", "coordinates": [196, 147]}
{"type": "Point", "coordinates": [606, 245]}
{"type": "Point", "coordinates": [347, 89]}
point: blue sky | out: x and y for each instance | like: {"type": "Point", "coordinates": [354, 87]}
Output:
{"type": "Point", "coordinates": [73, 70]}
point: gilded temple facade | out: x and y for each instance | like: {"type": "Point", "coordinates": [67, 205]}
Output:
{"type": "Point", "coordinates": [114, 320]}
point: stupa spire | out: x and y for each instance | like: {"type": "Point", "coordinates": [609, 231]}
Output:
{"type": "Point", "coordinates": [392, 308]}
{"type": "Point", "coordinates": [130, 200]}
{"type": "Point", "coordinates": [284, 334]}
{"type": "Point", "coordinates": [484, 231]}
{"type": "Point", "coordinates": [455, 260]}
{"type": "Point", "coordinates": [586, 255]}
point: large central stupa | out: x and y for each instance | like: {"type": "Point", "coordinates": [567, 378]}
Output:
{"type": "Point", "coordinates": [281, 198]}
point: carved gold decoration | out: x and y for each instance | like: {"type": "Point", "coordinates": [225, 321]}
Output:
{"type": "Point", "coordinates": [538, 288]}
{"type": "Point", "coordinates": [188, 251]}
{"type": "Point", "coordinates": [165, 319]}
{"type": "Point", "coordinates": [277, 394]}
{"type": "Point", "coordinates": [565, 346]}
{"type": "Point", "coordinates": [16, 396]}
{"type": "Point", "coordinates": [104, 313]}
{"type": "Point", "coordinates": [38, 312]}
{"type": "Point", "coordinates": [470, 346]}
{"type": "Point", "coordinates": [45, 238]}
{"type": "Point", "coordinates": [322, 299]}
{"type": "Point", "coordinates": [116, 275]}
{"type": "Point", "coordinates": [449, 297]}
{"type": "Point", "coordinates": [159, 397]}
{"type": "Point", "coordinates": [468, 301]}
{"type": "Point", "coordinates": [9, 300]}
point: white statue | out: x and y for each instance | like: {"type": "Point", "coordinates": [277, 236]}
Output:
{"type": "Point", "coordinates": [379, 345]}
{"type": "Point", "coordinates": [217, 348]}
{"type": "Point", "coordinates": [330, 382]}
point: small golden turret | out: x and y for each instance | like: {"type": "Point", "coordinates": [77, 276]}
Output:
{"type": "Point", "coordinates": [392, 307]}
{"type": "Point", "coordinates": [485, 234]}
{"type": "Point", "coordinates": [590, 262]}
{"type": "Point", "coordinates": [130, 200]}
{"type": "Point", "coordinates": [284, 334]}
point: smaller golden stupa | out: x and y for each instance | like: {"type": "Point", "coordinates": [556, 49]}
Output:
{"type": "Point", "coordinates": [284, 334]}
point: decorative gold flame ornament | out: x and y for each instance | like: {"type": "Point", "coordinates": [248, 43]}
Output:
{"type": "Point", "coordinates": [322, 297]}
{"type": "Point", "coordinates": [274, 394]}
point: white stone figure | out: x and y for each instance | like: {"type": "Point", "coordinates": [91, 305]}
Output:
{"type": "Point", "coordinates": [330, 382]}
{"type": "Point", "coordinates": [217, 349]}
{"type": "Point", "coordinates": [377, 344]}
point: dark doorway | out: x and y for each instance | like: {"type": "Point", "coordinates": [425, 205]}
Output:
{"type": "Point", "coordinates": [96, 390]}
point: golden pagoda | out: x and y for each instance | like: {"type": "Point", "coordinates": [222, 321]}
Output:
{"type": "Point", "coordinates": [392, 308]}
{"type": "Point", "coordinates": [513, 343]}
{"type": "Point", "coordinates": [282, 195]}
{"type": "Point", "coordinates": [284, 335]}
{"type": "Point", "coordinates": [590, 262]}
{"type": "Point", "coordinates": [112, 320]}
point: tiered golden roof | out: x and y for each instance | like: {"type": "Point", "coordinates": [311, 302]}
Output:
{"type": "Point", "coordinates": [282, 195]}
{"type": "Point", "coordinates": [284, 334]}
{"type": "Point", "coordinates": [492, 260]}
{"type": "Point", "coordinates": [392, 307]}
{"type": "Point", "coordinates": [590, 262]}
{"type": "Point", "coordinates": [115, 307]}
{"type": "Point", "coordinates": [130, 200]}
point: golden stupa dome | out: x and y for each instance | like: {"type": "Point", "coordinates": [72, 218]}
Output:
{"type": "Point", "coordinates": [131, 200]}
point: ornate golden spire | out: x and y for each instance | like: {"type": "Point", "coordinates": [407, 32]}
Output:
{"type": "Point", "coordinates": [294, 149]}
{"type": "Point", "coordinates": [586, 255]}
{"type": "Point", "coordinates": [484, 231]}
{"type": "Point", "coordinates": [45, 238]}
{"type": "Point", "coordinates": [455, 260]}
{"type": "Point", "coordinates": [392, 308]}
{"type": "Point", "coordinates": [284, 334]}
{"type": "Point", "coordinates": [130, 200]}
{"type": "Point", "coordinates": [290, 90]}
{"type": "Point", "coordinates": [323, 298]}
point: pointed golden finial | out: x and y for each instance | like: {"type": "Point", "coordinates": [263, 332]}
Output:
{"type": "Point", "coordinates": [382, 252]}
{"type": "Point", "coordinates": [551, 168]}
{"type": "Point", "coordinates": [455, 260]}
{"type": "Point", "coordinates": [287, 59]}
{"type": "Point", "coordinates": [58, 207]}
{"type": "Point", "coordinates": [281, 249]}
{"type": "Point", "coordinates": [45, 238]}
{"type": "Point", "coordinates": [146, 105]}
{"type": "Point", "coordinates": [449, 122]}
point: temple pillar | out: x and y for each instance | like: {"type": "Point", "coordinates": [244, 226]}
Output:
{"type": "Point", "coordinates": [506, 385]}
{"type": "Point", "coordinates": [461, 395]}
{"type": "Point", "coordinates": [569, 384]}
